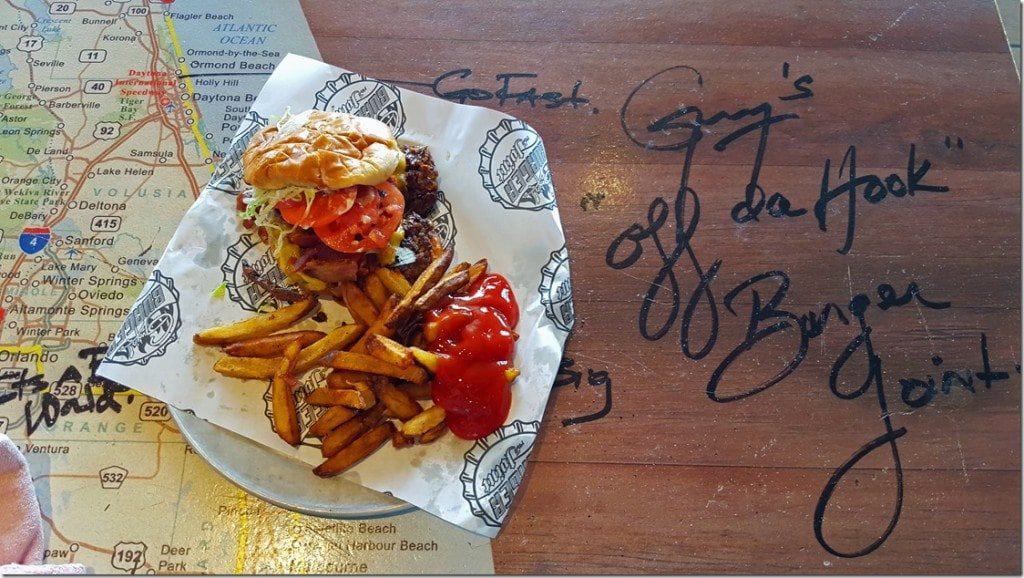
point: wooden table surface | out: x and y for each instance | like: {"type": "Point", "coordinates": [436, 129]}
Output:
{"type": "Point", "coordinates": [689, 472]}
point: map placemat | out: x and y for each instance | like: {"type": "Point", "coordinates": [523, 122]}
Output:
{"type": "Point", "coordinates": [112, 117]}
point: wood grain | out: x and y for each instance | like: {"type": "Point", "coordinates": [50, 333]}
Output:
{"type": "Point", "coordinates": [670, 481]}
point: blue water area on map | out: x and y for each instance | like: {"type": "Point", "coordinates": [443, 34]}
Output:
{"type": "Point", "coordinates": [6, 68]}
{"type": "Point", "coordinates": [230, 49]}
{"type": "Point", "coordinates": [45, 23]}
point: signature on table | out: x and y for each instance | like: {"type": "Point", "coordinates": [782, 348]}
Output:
{"type": "Point", "coordinates": [510, 89]}
{"type": "Point", "coordinates": [44, 404]}
{"type": "Point", "coordinates": [670, 225]}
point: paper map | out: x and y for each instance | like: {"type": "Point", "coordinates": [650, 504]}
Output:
{"type": "Point", "coordinates": [112, 117]}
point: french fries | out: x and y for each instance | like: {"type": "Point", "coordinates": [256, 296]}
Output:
{"type": "Point", "coordinates": [264, 368]}
{"type": "Point", "coordinates": [350, 430]}
{"type": "Point", "coordinates": [272, 345]}
{"type": "Point", "coordinates": [434, 433]}
{"type": "Point", "coordinates": [394, 281]}
{"type": "Point", "coordinates": [286, 421]}
{"type": "Point", "coordinates": [425, 358]}
{"type": "Point", "coordinates": [416, 390]}
{"type": "Point", "coordinates": [446, 286]}
{"type": "Point", "coordinates": [340, 379]}
{"type": "Point", "coordinates": [398, 440]}
{"type": "Point", "coordinates": [363, 446]}
{"type": "Point", "coordinates": [425, 420]}
{"type": "Point", "coordinates": [328, 396]}
{"type": "Point", "coordinates": [345, 379]}
{"type": "Point", "coordinates": [340, 437]}
{"type": "Point", "coordinates": [389, 350]}
{"type": "Point", "coordinates": [247, 367]}
{"type": "Point", "coordinates": [375, 290]}
{"type": "Point", "coordinates": [379, 368]}
{"type": "Point", "coordinates": [476, 270]}
{"type": "Point", "coordinates": [430, 276]}
{"type": "Point", "coordinates": [257, 326]}
{"type": "Point", "coordinates": [340, 338]}
{"type": "Point", "coordinates": [370, 364]}
{"type": "Point", "coordinates": [358, 304]}
{"type": "Point", "coordinates": [378, 327]}
{"type": "Point", "coordinates": [397, 401]}
{"type": "Point", "coordinates": [329, 420]}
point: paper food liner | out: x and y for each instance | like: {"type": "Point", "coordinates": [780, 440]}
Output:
{"type": "Point", "coordinates": [498, 202]}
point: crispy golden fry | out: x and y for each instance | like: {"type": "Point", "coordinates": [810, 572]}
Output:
{"type": "Point", "coordinates": [430, 276]}
{"type": "Point", "coordinates": [291, 356]}
{"type": "Point", "coordinates": [476, 270]}
{"type": "Point", "coordinates": [436, 248]}
{"type": "Point", "coordinates": [416, 390]}
{"type": "Point", "coordinates": [432, 434]}
{"type": "Point", "coordinates": [370, 364]}
{"type": "Point", "coordinates": [389, 350]}
{"type": "Point", "coordinates": [341, 436]}
{"type": "Point", "coordinates": [363, 446]}
{"type": "Point", "coordinates": [400, 441]}
{"type": "Point", "coordinates": [378, 327]}
{"type": "Point", "coordinates": [247, 367]}
{"type": "Point", "coordinates": [423, 421]}
{"type": "Point", "coordinates": [445, 287]}
{"type": "Point", "coordinates": [264, 367]}
{"type": "Point", "coordinates": [456, 268]}
{"type": "Point", "coordinates": [340, 338]}
{"type": "Point", "coordinates": [358, 304]}
{"type": "Point", "coordinates": [332, 418]}
{"type": "Point", "coordinates": [396, 400]}
{"type": "Point", "coordinates": [511, 374]}
{"type": "Point", "coordinates": [429, 331]}
{"type": "Point", "coordinates": [257, 326]}
{"type": "Point", "coordinates": [395, 282]}
{"type": "Point", "coordinates": [350, 430]}
{"type": "Point", "coordinates": [271, 345]}
{"type": "Point", "coordinates": [425, 358]}
{"type": "Point", "coordinates": [375, 290]}
{"type": "Point", "coordinates": [373, 416]}
{"type": "Point", "coordinates": [328, 396]}
{"type": "Point", "coordinates": [286, 421]}
{"type": "Point", "coordinates": [345, 379]}
{"type": "Point", "coordinates": [357, 380]}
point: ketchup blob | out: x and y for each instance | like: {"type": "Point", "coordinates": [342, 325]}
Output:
{"type": "Point", "coordinates": [474, 338]}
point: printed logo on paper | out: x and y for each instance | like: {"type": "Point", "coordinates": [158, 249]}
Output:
{"type": "Point", "coordinates": [361, 96]}
{"type": "Point", "coordinates": [151, 325]}
{"type": "Point", "coordinates": [443, 220]}
{"type": "Point", "coordinates": [313, 379]}
{"type": "Point", "coordinates": [514, 167]}
{"type": "Point", "coordinates": [556, 290]}
{"type": "Point", "coordinates": [228, 176]}
{"type": "Point", "coordinates": [247, 252]}
{"type": "Point", "coordinates": [494, 468]}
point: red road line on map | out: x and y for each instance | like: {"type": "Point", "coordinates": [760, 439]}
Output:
{"type": "Point", "coordinates": [156, 470]}
{"type": "Point", "coordinates": [102, 156]}
{"type": "Point", "coordinates": [81, 544]}
{"type": "Point", "coordinates": [163, 119]}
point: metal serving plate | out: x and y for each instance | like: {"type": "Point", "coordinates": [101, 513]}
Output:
{"type": "Point", "coordinates": [279, 480]}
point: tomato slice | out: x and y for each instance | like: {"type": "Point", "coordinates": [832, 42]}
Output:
{"type": "Point", "coordinates": [326, 207]}
{"type": "Point", "coordinates": [369, 224]}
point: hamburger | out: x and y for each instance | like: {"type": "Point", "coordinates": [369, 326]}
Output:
{"type": "Point", "coordinates": [333, 195]}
